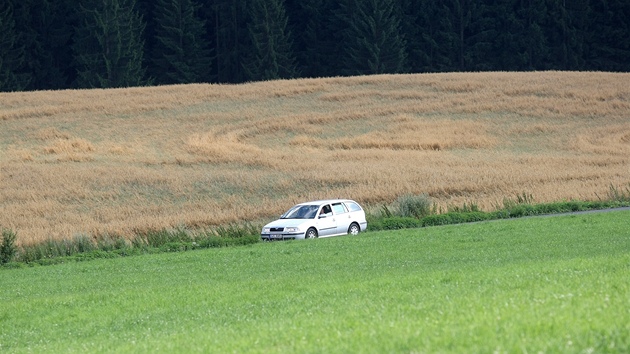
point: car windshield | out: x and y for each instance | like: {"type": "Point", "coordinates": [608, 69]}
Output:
{"type": "Point", "coordinates": [301, 212]}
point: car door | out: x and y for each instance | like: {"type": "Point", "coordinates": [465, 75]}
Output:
{"type": "Point", "coordinates": [326, 223]}
{"type": "Point", "coordinates": [342, 218]}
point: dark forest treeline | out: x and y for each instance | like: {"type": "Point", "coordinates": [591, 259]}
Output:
{"type": "Point", "coordinates": [58, 44]}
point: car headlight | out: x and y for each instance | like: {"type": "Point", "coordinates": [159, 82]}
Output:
{"type": "Point", "coordinates": [266, 230]}
{"type": "Point", "coordinates": [291, 229]}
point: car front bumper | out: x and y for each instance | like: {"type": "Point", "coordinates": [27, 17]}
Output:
{"type": "Point", "coordinates": [280, 236]}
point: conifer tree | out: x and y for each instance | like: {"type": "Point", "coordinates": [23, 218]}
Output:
{"type": "Point", "coordinates": [11, 53]}
{"type": "Point", "coordinates": [609, 47]}
{"type": "Point", "coordinates": [431, 37]}
{"type": "Point", "coordinates": [46, 30]}
{"type": "Point", "coordinates": [226, 25]}
{"type": "Point", "coordinates": [109, 47]}
{"type": "Point", "coordinates": [494, 36]}
{"type": "Point", "coordinates": [181, 52]}
{"type": "Point", "coordinates": [373, 40]}
{"type": "Point", "coordinates": [566, 33]}
{"type": "Point", "coordinates": [317, 35]}
{"type": "Point", "coordinates": [270, 53]}
{"type": "Point", "coordinates": [533, 13]}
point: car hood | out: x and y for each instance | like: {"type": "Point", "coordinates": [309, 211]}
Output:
{"type": "Point", "coordinates": [289, 222]}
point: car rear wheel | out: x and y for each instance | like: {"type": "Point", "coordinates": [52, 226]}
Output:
{"type": "Point", "coordinates": [354, 229]}
{"type": "Point", "coordinates": [311, 233]}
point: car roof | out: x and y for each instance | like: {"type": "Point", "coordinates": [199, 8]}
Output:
{"type": "Point", "coordinates": [326, 201]}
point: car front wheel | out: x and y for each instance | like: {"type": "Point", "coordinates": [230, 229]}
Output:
{"type": "Point", "coordinates": [354, 229]}
{"type": "Point", "coordinates": [311, 233]}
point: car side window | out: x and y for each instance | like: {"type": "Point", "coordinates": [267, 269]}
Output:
{"type": "Point", "coordinates": [339, 208]}
{"type": "Point", "coordinates": [326, 209]}
{"type": "Point", "coordinates": [353, 206]}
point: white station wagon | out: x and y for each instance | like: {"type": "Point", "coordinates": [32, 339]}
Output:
{"type": "Point", "coordinates": [321, 218]}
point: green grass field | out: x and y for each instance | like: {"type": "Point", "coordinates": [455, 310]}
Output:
{"type": "Point", "coordinates": [551, 284]}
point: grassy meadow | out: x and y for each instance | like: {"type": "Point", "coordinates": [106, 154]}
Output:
{"type": "Point", "coordinates": [93, 162]}
{"type": "Point", "coordinates": [537, 285]}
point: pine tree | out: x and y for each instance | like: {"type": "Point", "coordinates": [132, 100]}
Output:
{"type": "Point", "coordinates": [314, 43]}
{"type": "Point", "coordinates": [109, 47]}
{"type": "Point", "coordinates": [469, 34]}
{"type": "Point", "coordinates": [181, 53]}
{"type": "Point", "coordinates": [227, 30]}
{"type": "Point", "coordinates": [270, 56]}
{"type": "Point", "coordinates": [409, 13]}
{"type": "Point", "coordinates": [431, 37]}
{"type": "Point", "coordinates": [533, 13]}
{"type": "Point", "coordinates": [509, 46]}
{"type": "Point", "coordinates": [609, 39]}
{"type": "Point", "coordinates": [566, 33]}
{"type": "Point", "coordinates": [374, 43]}
{"type": "Point", "coordinates": [46, 27]}
{"type": "Point", "coordinates": [27, 37]}
{"type": "Point", "coordinates": [11, 53]}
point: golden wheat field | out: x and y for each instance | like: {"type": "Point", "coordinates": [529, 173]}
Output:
{"type": "Point", "coordinates": [114, 161]}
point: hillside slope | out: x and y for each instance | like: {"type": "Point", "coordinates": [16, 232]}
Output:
{"type": "Point", "coordinates": [97, 161]}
